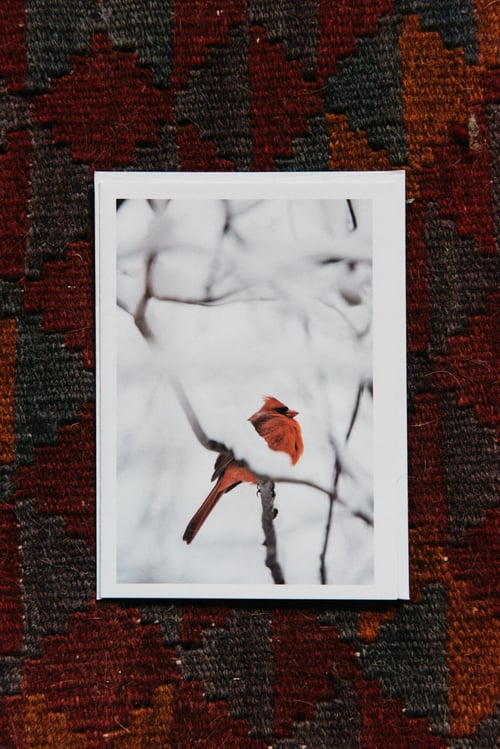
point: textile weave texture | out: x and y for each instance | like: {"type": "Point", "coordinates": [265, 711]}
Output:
{"type": "Point", "coordinates": [248, 86]}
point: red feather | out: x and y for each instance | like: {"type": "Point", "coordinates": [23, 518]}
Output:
{"type": "Point", "coordinates": [276, 423]}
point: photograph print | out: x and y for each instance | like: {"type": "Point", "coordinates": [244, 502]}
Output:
{"type": "Point", "coordinates": [240, 411]}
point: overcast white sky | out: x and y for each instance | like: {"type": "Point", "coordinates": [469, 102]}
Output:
{"type": "Point", "coordinates": [292, 320]}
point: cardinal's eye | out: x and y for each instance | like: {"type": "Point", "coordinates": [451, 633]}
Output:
{"type": "Point", "coordinates": [283, 410]}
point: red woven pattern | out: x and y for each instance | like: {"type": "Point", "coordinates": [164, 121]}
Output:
{"type": "Point", "coordinates": [254, 85]}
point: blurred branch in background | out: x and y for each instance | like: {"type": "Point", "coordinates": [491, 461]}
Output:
{"type": "Point", "coordinates": [192, 274]}
{"type": "Point", "coordinates": [333, 496]}
{"type": "Point", "coordinates": [234, 263]}
{"type": "Point", "coordinates": [266, 484]}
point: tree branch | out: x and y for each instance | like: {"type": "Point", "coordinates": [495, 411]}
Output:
{"type": "Point", "coordinates": [205, 301]}
{"type": "Point", "coordinates": [265, 485]}
{"type": "Point", "coordinates": [207, 442]}
{"type": "Point", "coordinates": [209, 300]}
{"type": "Point", "coordinates": [333, 495]}
{"type": "Point", "coordinates": [215, 446]}
{"type": "Point", "coordinates": [352, 214]}
{"type": "Point", "coordinates": [358, 333]}
{"type": "Point", "coordinates": [355, 410]}
{"type": "Point", "coordinates": [267, 496]}
{"type": "Point", "coordinates": [140, 312]}
{"type": "Point", "coordinates": [266, 488]}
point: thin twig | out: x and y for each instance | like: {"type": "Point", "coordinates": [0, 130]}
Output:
{"type": "Point", "coordinates": [140, 312]}
{"type": "Point", "coordinates": [355, 409]}
{"type": "Point", "coordinates": [267, 496]}
{"type": "Point", "coordinates": [207, 442]}
{"type": "Point", "coordinates": [265, 485]}
{"type": "Point", "coordinates": [205, 301]}
{"type": "Point", "coordinates": [209, 300]}
{"type": "Point", "coordinates": [358, 333]}
{"type": "Point", "coordinates": [333, 495]}
{"type": "Point", "coordinates": [266, 488]}
{"type": "Point", "coordinates": [215, 446]}
{"type": "Point", "coordinates": [352, 214]}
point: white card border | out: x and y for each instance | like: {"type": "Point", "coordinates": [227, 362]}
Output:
{"type": "Point", "coordinates": [387, 191]}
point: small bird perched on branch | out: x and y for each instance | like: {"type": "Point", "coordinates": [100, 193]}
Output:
{"type": "Point", "coordinates": [276, 423]}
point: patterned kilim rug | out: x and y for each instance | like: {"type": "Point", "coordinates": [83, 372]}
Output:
{"type": "Point", "coordinates": [248, 85]}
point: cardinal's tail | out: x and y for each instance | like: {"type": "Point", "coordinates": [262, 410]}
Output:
{"type": "Point", "coordinates": [232, 475]}
{"type": "Point", "coordinates": [202, 513]}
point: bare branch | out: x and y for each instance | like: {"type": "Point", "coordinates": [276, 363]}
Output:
{"type": "Point", "coordinates": [352, 214]}
{"type": "Point", "coordinates": [266, 489]}
{"type": "Point", "coordinates": [158, 205]}
{"type": "Point", "coordinates": [121, 304]}
{"type": "Point", "coordinates": [355, 410]}
{"type": "Point", "coordinates": [346, 251]}
{"type": "Point", "coordinates": [205, 301]}
{"type": "Point", "coordinates": [368, 519]}
{"type": "Point", "coordinates": [333, 495]}
{"type": "Point", "coordinates": [358, 333]}
{"type": "Point", "coordinates": [199, 433]}
{"type": "Point", "coordinates": [208, 300]}
{"type": "Point", "coordinates": [140, 312]}
{"type": "Point", "coordinates": [299, 482]}
{"type": "Point", "coordinates": [215, 446]}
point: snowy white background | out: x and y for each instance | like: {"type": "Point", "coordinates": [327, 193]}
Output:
{"type": "Point", "coordinates": [245, 299]}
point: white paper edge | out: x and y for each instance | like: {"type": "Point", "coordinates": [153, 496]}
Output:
{"type": "Point", "coordinates": [387, 190]}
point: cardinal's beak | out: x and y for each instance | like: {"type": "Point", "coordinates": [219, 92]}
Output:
{"type": "Point", "coordinates": [291, 414]}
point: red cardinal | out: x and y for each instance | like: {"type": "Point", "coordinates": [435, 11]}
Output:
{"type": "Point", "coordinates": [276, 423]}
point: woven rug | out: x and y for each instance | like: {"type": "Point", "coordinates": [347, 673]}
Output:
{"type": "Point", "coordinates": [234, 85]}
